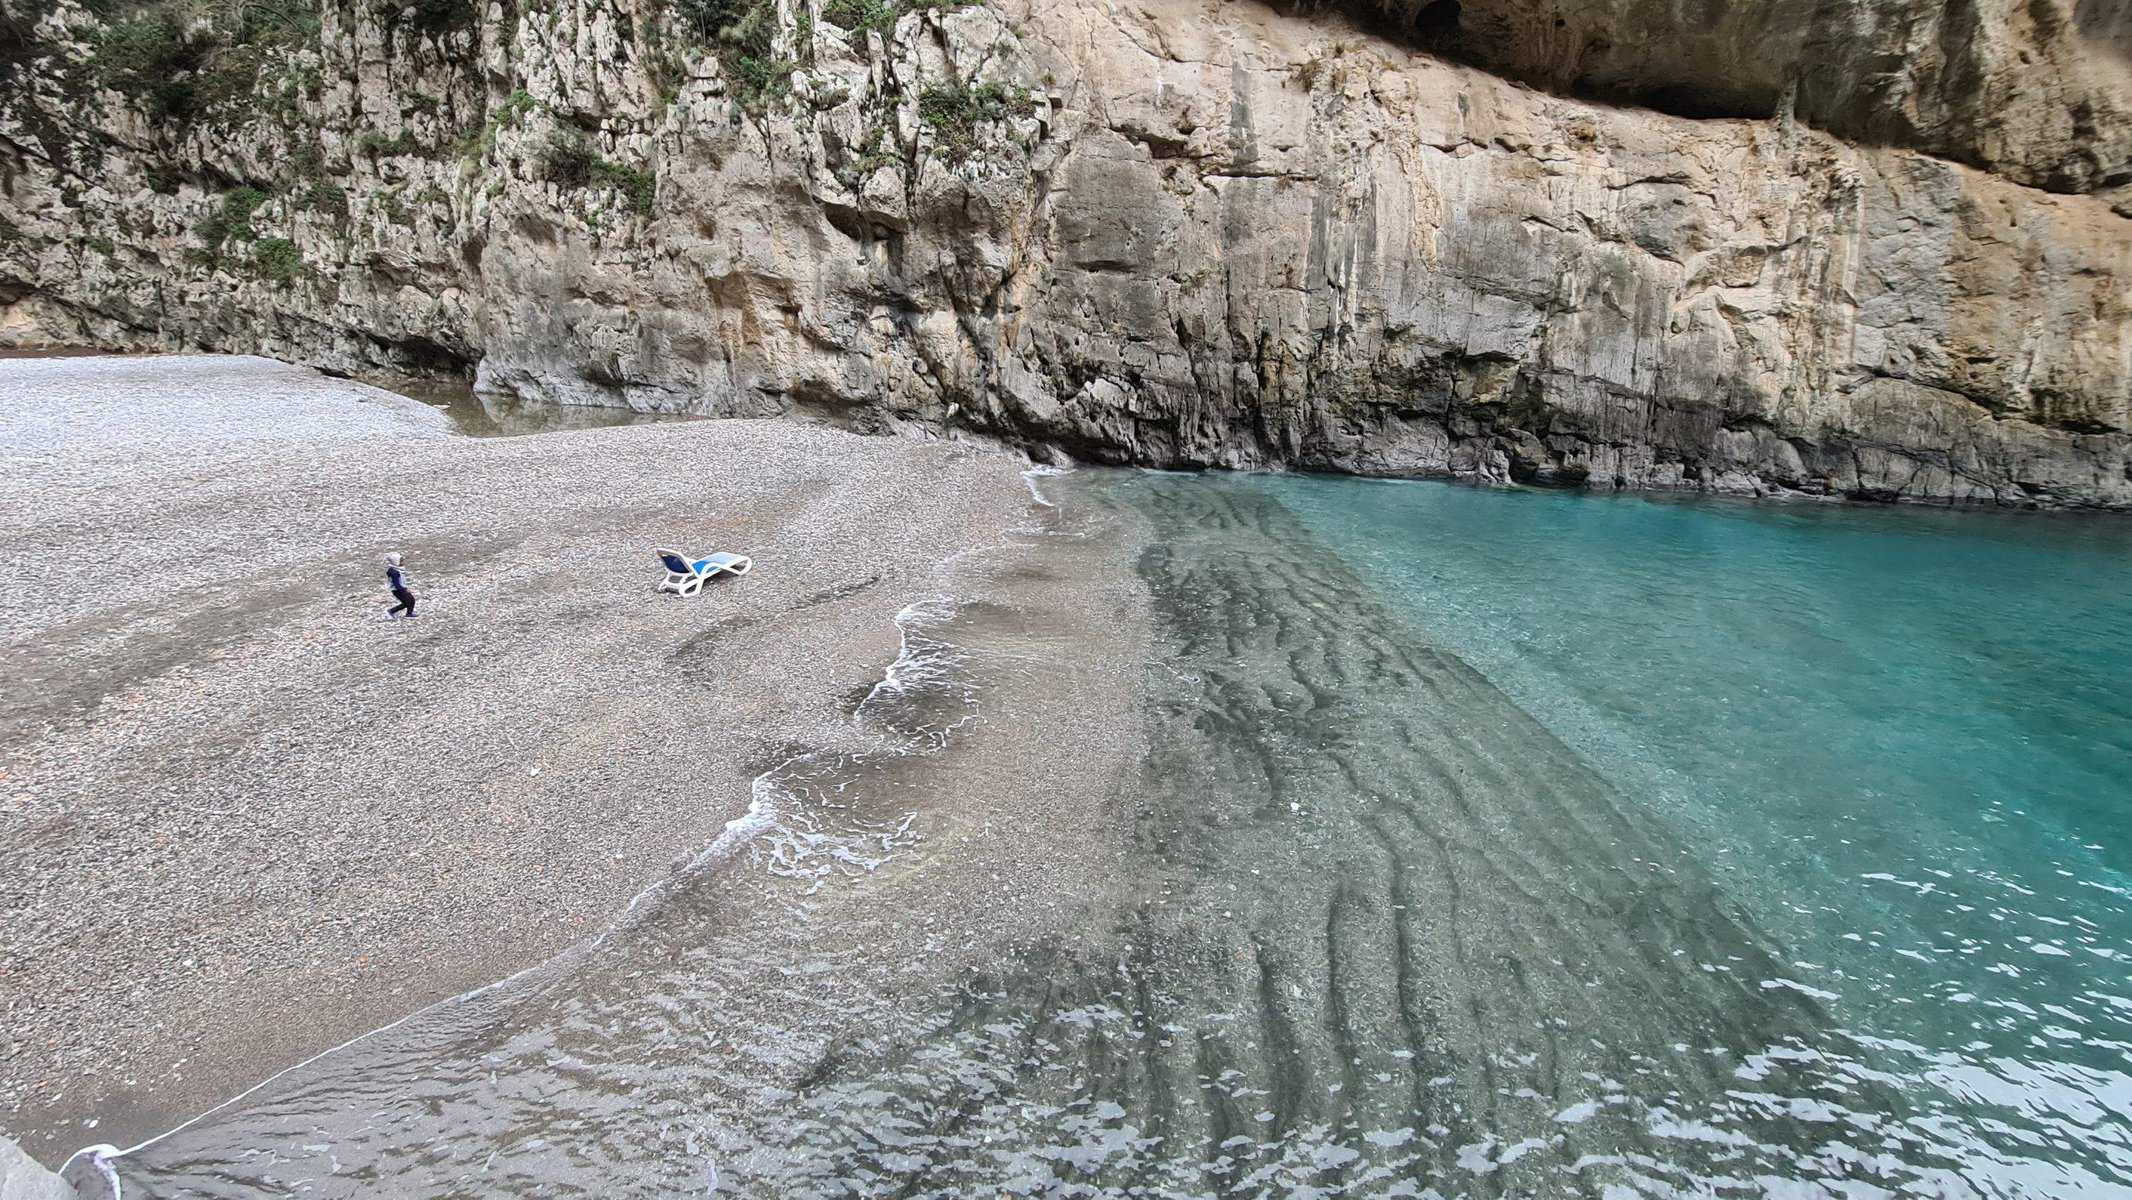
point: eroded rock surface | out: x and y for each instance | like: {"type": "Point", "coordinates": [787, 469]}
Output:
{"type": "Point", "coordinates": [2039, 90]}
{"type": "Point", "coordinates": [1175, 232]}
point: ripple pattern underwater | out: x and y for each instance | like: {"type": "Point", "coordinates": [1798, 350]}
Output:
{"type": "Point", "coordinates": [1900, 739]}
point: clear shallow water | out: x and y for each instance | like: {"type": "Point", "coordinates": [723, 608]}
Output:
{"type": "Point", "coordinates": [490, 414]}
{"type": "Point", "coordinates": [1480, 848]}
{"type": "Point", "coordinates": [1902, 739]}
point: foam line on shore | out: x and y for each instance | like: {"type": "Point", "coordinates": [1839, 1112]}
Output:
{"type": "Point", "coordinates": [1040, 471]}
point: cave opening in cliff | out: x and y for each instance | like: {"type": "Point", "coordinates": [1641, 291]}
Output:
{"type": "Point", "coordinates": [1437, 22]}
{"type": "Point", "coordinates": [424, 356]}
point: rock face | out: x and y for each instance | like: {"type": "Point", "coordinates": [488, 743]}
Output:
{"type": "Point", "coordinates": [2037, 90]}
{"type": "Point", "coordinates": [1176, 232]}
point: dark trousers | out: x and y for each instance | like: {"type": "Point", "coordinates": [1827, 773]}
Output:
{"type": "Point", "coordinates": [406, 602]}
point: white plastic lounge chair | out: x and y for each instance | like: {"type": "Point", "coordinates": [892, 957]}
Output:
{"type": "Point", "coordinates": [686, 576]}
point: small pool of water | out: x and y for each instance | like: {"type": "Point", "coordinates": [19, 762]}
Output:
{"type": "Point", "coordinates": [490, 414]}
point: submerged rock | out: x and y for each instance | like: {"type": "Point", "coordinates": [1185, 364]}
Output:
{"type": "Point", "coordinates": [1183, 233]}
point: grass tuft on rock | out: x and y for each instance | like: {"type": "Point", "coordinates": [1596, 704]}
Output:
{"type": "Point", "coordinates": [957, 112]}
{"type": "Point", "coordinates": [858, 18]}
{"type": "Point", "coordinates": [232, 219]}
{"type": "Point", "coordinates": [173, 65]}
{"type": "Point", "coordinates": [277, 259]}
{"type": "Point", "coordinates": [571, 162]}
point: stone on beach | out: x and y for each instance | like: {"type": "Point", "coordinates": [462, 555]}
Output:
{"type": "Point", "coordinates": [22, 1179]}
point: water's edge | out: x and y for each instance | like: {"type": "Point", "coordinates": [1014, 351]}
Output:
{"type": "Point", "coordinates": [1184, 853]}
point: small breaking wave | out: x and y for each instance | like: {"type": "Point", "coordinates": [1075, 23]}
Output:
{"type": "Point", "coordinates": [822, 821]}
{"type": "Point", "coordinates": [1036, 491]}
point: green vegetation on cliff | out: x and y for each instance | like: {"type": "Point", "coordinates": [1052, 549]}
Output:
{"type": "Point", "coordinates": [245, 125]}
{"type": "Point", "coordinates": [507, 115]}
{"type": "Point", "coordinates": [179, 63]}
{"type": "Point", "coordinates": [151, 62]}
{"type": "Point", "coordinates": [232, 220]}
{"type": "Point", "coordinates": [744, 36]}
{"type": "Point", "coordinates": [956, 111]}
{"type": "Point", "coordinates": [323, 195]}
{"type": "Point", "coordinates": [572, 163]}
{"type": "Point", "coordinates": [277, 259]}
{"type": "Point", "coordinates": [861, 17]}
{"type": "Point", "coordinates": [433, 18]}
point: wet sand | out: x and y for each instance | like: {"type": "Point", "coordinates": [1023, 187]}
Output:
{"type": "Point", "coordinates": [244, 816]}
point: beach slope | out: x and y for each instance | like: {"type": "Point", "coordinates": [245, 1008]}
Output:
{"type": "Point", "coordinates": [244, 816]}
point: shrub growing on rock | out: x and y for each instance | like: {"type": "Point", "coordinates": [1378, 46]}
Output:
{"type": "Point", "coordinates": [377, 145]}
{"type": "Point", "coordinates": [151, 62]}
{"type": "Point", "coordinates": [861, 17]}
{"type": "Point", "coordinates": [743, 33]}
{"type": "Point", "coordinates": [232, 219]}
{"type": "Point", "coordinates": [640, 188]}
{"type": "Point", "coordinates": [327, 197]}
{"type": "Point", "coordinates": [277, 259]}
{"type": "Point", "coordinates": [478, 143]}
{"type": "Point", "coordinates": [567, 160]}
{"type": "Point", "coordinates": [432, 18]}
{"type": "Point", "coordinates": [570, 162]}
{"type": "Point", "coordinates": [955, 112]}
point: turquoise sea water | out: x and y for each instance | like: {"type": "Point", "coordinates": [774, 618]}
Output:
{"type": "Point", "coordinates": [1901, 739]}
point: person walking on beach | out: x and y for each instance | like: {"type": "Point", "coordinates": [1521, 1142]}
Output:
{"type": "Point", "coordinates": [397, 578]}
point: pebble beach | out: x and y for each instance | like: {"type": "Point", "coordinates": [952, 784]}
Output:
{"type": "Point", "coordinates": [244, 816]}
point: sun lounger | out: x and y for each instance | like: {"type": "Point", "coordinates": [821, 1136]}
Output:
{"type": "Point", "coordinates": [686, 576]}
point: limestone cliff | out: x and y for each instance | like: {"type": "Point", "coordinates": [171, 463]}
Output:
{"type": "Point", "coordinates": [2037, 90]}
{"type": "Point", "coordinates": [1168, 231]}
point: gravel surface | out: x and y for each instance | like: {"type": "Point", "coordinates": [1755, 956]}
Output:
{"type": "Point", "coordinates": [244, 816]}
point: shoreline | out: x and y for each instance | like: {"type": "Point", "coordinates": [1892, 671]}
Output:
{"type": "Point", "coordinates": [950, 824]}
{"type": "Point", "coordinates": [718, 854]}
{"type": "Point", "coordinates": [291, 806]}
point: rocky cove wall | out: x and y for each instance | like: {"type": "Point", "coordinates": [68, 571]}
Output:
{"type": "Point", "coordinates": [1174, 232]}
{"type": "Point", "coordinates": [2037, 90]}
